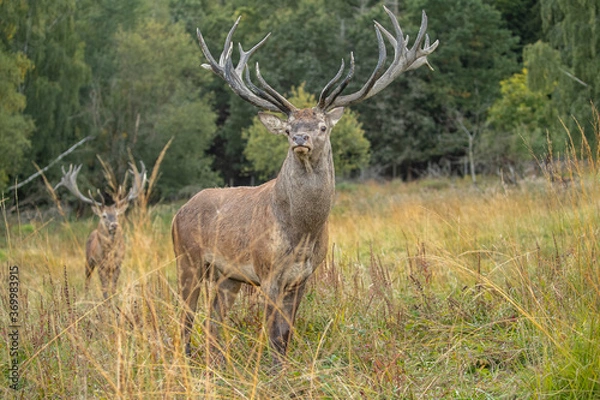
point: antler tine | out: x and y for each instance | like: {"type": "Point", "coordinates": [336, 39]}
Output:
{"type": "Point", "coordinates": [404, 60]}
{"type": "Point", "coordinates": [327, 89]}
{"type": "Point", "coordinates": [138, 181]}
{"type": "Point", "coordinates": [421, 35]}
{"type": "Point", "coordinates": [102, 202]}
{"type": "Point", "coordinates": [245, 55]}
{"type": "Point", "coordinates": [423, 52]}
{"type": "Point", "coordinates": [258, 91]}
{"type": "Point", "coordinates": [69, 180]}
{"type": "Point", "coordinates": [363, 93]}
{"type": "Point", "coordinates": [228, 45]}
{"type": "Point", "coordinates": [335, 93]}
{"type": "Point", "coordinates": [233, 75]}
{"type": "Point", "coordinates": [285, 105]}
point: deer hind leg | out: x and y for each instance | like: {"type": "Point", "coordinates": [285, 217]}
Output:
{"type": "Point", "coordinates": [226, 292]}
{"type": "Point", "coordinates": [189, 290]}
{"type": "Point", "coordinates": [280, 313]}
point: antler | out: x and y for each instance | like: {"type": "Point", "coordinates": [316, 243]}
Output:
{"type": "Point", "coordinates": [138, 181]}
{"type": "Point", "coordinates": [405, 59]}
{"type": "Point", "coordinates": [268, 98]}
{"type": "Point", "coordinates": [69, 180]}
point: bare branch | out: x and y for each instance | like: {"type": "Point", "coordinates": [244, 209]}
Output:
{"type": "Point", "coordinates": [60, 157]}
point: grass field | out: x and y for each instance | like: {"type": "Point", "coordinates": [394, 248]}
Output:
{"type": "Point", "coordinates": [433, 289]}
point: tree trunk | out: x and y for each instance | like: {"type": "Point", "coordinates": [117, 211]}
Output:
{"type": "Point", "coordinates": [472, 158]}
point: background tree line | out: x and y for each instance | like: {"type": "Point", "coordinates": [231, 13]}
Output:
{"type": "Point", "coordinates": [128, 74]}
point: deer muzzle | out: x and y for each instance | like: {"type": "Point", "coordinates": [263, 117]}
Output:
{"type": "Point", "coordinates": [301, 143]}
{"type": "Point", "coordinates": [112, 227]}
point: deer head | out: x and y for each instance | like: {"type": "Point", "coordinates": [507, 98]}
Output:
{"type": "Point", "coordinates": [108, 213]}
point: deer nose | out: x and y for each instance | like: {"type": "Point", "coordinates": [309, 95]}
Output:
{"type": "Point", "coordinates": [113, 226]}
{"type": "Point", "coordinates": [300, 139]}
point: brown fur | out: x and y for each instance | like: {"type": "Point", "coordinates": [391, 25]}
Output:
{"type": "Point", "coordinates": [105, 249]}
{"type": "Point", "coordinates": [274, 235]}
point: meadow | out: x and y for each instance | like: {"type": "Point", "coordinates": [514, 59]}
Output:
{"type": "Point", "coordinates": [431, 289]}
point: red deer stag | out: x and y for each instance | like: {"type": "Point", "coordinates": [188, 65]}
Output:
{"type": "Point", "coordinates": [105, 247]}
{"type": "Point", "coordinates": [274, 235]}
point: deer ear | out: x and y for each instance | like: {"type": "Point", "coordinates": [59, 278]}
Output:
{"type": "Point", "coordinates": [273, 123]}
{"type": "Point", "coordinates": [335, 115]}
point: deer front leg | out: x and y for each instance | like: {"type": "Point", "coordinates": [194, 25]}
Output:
{"type": "Point", "coordinates": [115, 278]}
{"type": "Point", "coordinates": [281, 313]}
{"type": "Point", "coordinates": [89, 268]}
{"type": "Point", "coordinates": [105, 278]}
{"type": "Point", "coordinates": [226, 292]}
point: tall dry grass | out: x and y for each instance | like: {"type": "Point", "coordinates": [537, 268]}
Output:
{"type": "Point", "coordinates": [432, 289]}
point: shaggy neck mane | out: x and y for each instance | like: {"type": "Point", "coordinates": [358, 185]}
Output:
{"type": "Point", "coordinates": [304, 192]}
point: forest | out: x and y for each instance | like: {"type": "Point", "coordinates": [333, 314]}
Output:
{"type": "Point", "coordinates": [125, 77]}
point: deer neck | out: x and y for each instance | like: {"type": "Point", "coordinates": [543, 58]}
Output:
{"type": "Point", "coordinates": [304, 192]}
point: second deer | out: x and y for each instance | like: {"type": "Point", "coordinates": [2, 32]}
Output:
{"type": "Point", "coordinates": [105, 246]}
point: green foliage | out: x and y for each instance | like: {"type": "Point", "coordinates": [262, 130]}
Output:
{"type": "Point", "coordinates": [156, 98]}
{"type": "Point", "coordinates": [519, 121]}
{"type": "Point", "coordinates": [570, 49]}
{"type": "Point", "coordinates": [98, 21]}
{"type": "Point", "coordinates": [574, 373]}
{"type": "Point", "coordinates": [14, 126]}
{"type": "Point", "coordinates": [49, 38]}
{"type": "Point", "coordinates": [544, 65]}
{"type": "Point", "coordinates": [523, 18]}
{"type": "Point", "coordinates": [413, 122]}
{"type": "Point", "coordinates": [186, 167]}
{"type": "Point", "coordinates": [266, 151]}
{"type": "Point", "coordinates": [128, 73]}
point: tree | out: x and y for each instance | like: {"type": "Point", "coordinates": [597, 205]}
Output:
{"type": "Point", "coordinates": [524, 20]}
{"type": "Point", "coordinates": [475, 54]}
{"type": "Point", "coordinates": [349, 146]}
{"type": "Point", "coordinates": [568, 59]}
{"type": "Point", "coordinates": [519, 123]}
{"type": "Point", "coordinates": [46, 34]}
{"type": "Point", "coordinates": [15, 127]}
{"type": "Point", "coordinates": [421, 119]}
{"type": "Point", "coordinates": [155, 97]}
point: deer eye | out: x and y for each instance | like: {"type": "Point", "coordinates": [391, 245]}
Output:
{"type": "Point", "coordinates": [287, 131]}
{"type": "Point", "coordinates": [323, 128]}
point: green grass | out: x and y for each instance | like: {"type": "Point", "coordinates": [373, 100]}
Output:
{"type": "Point", "coordinates": [430, 290]}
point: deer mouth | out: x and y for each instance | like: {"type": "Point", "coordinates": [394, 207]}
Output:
{"type": "Point", "coordinates": [301, 149]}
